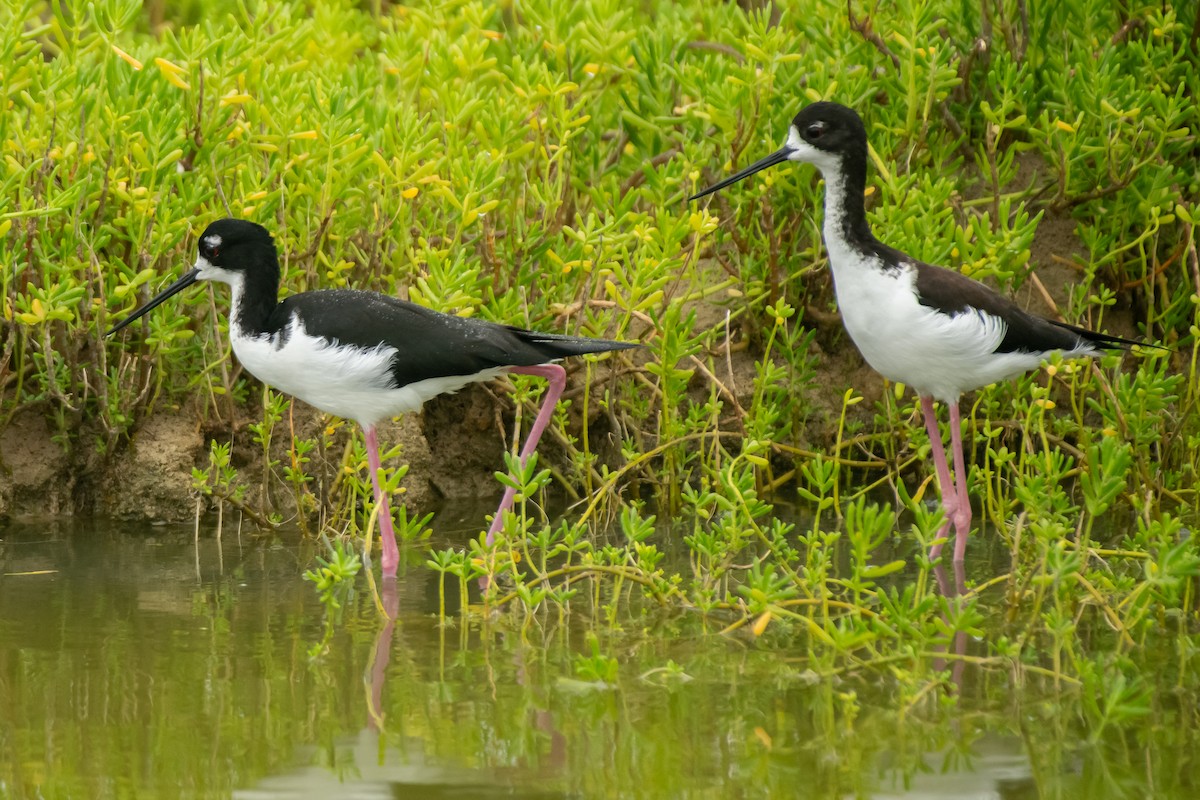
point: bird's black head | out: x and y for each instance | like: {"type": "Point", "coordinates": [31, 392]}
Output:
{"type": "Point", "coordinates": [232, 251]}
{"type": "Point", "coordinates": [235, 245]}
{"type": "Point", "coordinates": [823, 134]}
{"type": "Point", "coordinates": [827, 128]}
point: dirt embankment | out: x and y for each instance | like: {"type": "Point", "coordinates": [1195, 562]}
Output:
{"type": "Point", "coordinates": [452, 450]}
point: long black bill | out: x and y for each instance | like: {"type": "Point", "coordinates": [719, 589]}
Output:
{"type": "Point", "coordinates": [175, 288]}
{"type": "Point", "coordinates": [778, 157]}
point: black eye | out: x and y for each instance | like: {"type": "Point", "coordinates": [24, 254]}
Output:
{"type": "Point", "coordinates": [815, 130]}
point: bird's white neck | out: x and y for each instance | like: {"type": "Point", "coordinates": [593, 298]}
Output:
{"type": "Point", "coordinates": [239, 330]}
{"type": "Point", "coordinates": [847, 236]}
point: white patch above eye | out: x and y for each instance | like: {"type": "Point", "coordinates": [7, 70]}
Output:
{"type": "Point", "coordinates": [212, 240]}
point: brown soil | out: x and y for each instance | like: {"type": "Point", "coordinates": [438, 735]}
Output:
{"type": "Point", "coordinates": [37, 476]}
{"type": "Point", "coordinates": [452, 448]}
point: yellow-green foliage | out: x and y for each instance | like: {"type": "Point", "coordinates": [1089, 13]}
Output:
{"type": "Point", "coordinates": [529, 162]}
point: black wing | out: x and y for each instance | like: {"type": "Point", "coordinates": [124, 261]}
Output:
{"type": "Point", "coordinates": [952, 292]}
{"type": "Point", "coordinates": [428, 343]}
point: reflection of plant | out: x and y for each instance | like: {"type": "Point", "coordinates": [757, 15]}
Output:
{"type": "Point", "coordinates": [596, 667]}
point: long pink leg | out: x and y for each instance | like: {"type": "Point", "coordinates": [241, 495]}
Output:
{"type": "Point", "coordinates": [962, 514]}
{"type": "Point", "coordinates": [391, 554]}
{"type": "Point", "coordinates": [557, 376]}
{"type": "Point", "coordinates": [949, 495]}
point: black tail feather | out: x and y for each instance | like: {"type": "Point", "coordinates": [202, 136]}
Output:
{"type": "Point", "coordinates": [554, 346]}
{"type": "Point", "coordinates": [1104, 340]}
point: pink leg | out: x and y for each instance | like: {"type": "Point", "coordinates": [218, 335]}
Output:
{"type": "Point", "coordinates": [557, 376]}
{"type": "Point", "coordinates": [962, 514]}
{"type": "Point", "coordinates": [949, 496]}
{"type": "Point", "coordinates": [391, 554]}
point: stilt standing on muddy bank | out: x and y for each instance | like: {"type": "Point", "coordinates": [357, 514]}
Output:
{"type": "Point", "coordinates": [362, 355]}
{"type": "Point", "coordinates": [929, 327]}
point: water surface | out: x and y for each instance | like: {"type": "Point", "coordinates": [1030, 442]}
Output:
{"type": "Point", "coordinates": [134, 663]}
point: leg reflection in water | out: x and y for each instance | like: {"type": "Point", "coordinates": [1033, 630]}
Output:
{"type": "Point", "coordinates": [382, 653]}
{"type": "Point", "coordinates": [951, 593]}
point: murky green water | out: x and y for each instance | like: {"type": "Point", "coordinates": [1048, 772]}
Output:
{"type": "Point", "coordinates": [133, 664]}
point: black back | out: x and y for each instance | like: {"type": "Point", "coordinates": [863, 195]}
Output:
{"type": "Point", "coordinates": [428, 343]}
{"type": "Point", "coordinates": [952, 293]}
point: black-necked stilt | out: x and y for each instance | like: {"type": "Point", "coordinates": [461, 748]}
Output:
{"type": "Point", "coordinates": [362, 355]}
{"type": "Point", "coordinates": [929, 327]}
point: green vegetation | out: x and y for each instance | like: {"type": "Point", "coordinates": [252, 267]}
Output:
{"type": "Point", "coordinates": [530, 161]}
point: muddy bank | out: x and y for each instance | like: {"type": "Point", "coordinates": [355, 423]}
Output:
{"type": "Point", "coordinates": [452, 449]}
